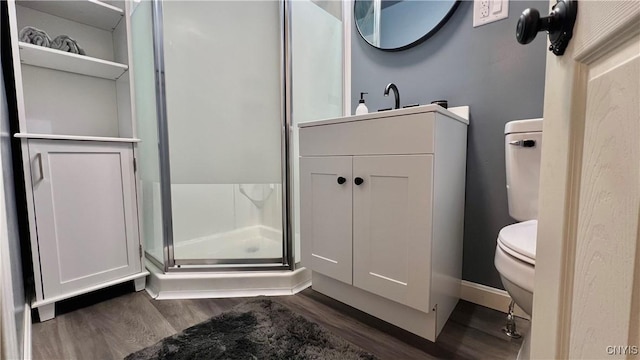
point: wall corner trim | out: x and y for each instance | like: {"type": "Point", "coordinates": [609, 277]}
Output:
{"type": "Point", "coordinates": [488, 297]}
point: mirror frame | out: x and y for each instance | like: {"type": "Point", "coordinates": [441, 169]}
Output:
{"type": "Point", "coordinates": [415, 43]}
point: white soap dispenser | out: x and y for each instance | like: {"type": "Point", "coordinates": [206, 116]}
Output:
{"type": "Point", "coordinates": [362, 108]}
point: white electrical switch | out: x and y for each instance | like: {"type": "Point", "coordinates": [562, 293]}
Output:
{"type": "Point", "coordinates": [487, 11]}
{"type": "Point", "coordinates": [497, 6]}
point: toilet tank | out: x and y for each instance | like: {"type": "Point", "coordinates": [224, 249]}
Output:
{"type": "Point", "coordinates": [523, 143]}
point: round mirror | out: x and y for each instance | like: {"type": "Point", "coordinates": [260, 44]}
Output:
{"type": "Point", "coordinates": [394, 25]}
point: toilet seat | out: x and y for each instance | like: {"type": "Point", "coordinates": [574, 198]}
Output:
{"type": "Point", "coordinates": [519, 240]}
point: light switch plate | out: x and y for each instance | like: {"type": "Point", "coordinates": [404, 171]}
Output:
{"type": "Point", "coordinates": [487, 11]}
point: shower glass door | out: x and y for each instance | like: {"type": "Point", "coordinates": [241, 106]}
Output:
{"type": "Point", "coordinates": [224, 83]}
{"type": "Point", "coordinates": [147, 129]}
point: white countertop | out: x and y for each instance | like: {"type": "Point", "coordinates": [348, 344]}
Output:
{"type": "Point", "coordinates": [460, 113]}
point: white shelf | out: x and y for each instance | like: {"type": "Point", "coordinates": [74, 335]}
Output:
{"type": "Point", "coordinates": [89, 12]}
{"type": "Point", "coordinates": [59, 60]}
{"type": "Point", "coordinates": [74, 137]}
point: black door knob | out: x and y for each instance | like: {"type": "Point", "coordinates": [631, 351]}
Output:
{"type": "Point", "coordinates": [341, 180]}
{"type": "Point", "coordinates": [358, 181]}
{"type": "Point", "coordinates": [559, 25]}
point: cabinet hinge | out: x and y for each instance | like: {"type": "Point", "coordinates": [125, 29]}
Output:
{"type": "Point", "coordinates": [135, 165]}
{"type": "Point", "coordinates": [140, 250]}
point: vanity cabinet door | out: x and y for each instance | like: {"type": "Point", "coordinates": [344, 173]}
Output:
{"type": "Point", "coordinates": [86, 215]}
{"type": "Point", "coordinates": [392, 227]}
{"type": "Point", "coordinates": [325, 215]}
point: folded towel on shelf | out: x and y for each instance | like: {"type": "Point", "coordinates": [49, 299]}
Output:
{"type": "Point", "coordinates": [34, 36]}
{"type": "Point", "coordinates": [65, 43]}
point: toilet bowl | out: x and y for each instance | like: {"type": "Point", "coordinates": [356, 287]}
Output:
{"type": "Point", "coordinates": [515, 261]}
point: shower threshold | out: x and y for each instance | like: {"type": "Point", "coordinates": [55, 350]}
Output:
{"type": "Point", "coordinates": [206, 285]}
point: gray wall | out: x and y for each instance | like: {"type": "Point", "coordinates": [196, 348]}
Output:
{"type": "Point", "coordinates": [407, 17]}
{"type": "Point", "coordinates": [486, 69]}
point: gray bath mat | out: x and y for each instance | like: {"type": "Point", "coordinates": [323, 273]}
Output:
{"type": "Point", "coordinates": [258, 329]}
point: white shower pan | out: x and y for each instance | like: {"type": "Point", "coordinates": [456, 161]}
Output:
{"type": "Point", "coordinates": [251, 242]}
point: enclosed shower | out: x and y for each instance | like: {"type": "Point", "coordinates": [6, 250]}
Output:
{"type": "Point", "coordinates": [215, 99]}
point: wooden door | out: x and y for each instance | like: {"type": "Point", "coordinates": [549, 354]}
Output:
{"type": "Point", "coordinates": [587, 286]}
{"type": "Point", "coordinates": [392, 227]}
{"type": "Point", "coordinates": [325, 215]}
{"type": "Point", "coordinates": [86, 215]}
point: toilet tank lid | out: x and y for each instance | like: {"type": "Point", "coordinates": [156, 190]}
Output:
{"type": "Point", "coordinates": [523, 126]}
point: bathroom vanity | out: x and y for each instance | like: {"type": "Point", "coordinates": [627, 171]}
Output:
{"type": "Point", "coordinates": [382, 206]}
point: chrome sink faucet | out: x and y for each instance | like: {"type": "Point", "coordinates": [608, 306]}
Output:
{"type": "Point", "coordinates": [396, 94]}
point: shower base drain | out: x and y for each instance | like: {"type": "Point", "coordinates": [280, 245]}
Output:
{"type": "Point", "coordinates": [252, 249]}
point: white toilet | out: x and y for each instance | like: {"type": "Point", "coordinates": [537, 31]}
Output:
{"type": "Point", "coordinates": [516, 249]}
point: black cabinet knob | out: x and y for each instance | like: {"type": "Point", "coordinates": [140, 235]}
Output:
{"type": "Point", "coordinates": [559, 25]}
{"type": "Point", "coordinates": [341, 180]}
{"type": "Point", "coordinates": [358, 181]}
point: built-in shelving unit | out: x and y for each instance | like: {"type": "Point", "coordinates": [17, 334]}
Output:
{"type": "Point", "coordinates": [70, 94]}
{"type": "Point", "coordinates": [78, 142]}
{"type": "Point", "coordinates": [79, 64]}
{"type": "Point", "coordinates": [89, 12]}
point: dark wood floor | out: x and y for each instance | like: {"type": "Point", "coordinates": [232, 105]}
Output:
{"type": "Point", "coordinates": [116, 327]}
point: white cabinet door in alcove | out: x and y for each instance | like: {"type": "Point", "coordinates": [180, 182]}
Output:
{"type": "Point", "coordinates": [86, 213]}
{"type": "Point", "coordinates": [392, 227]}
{"type": "Point", "coordinates": [325, 221]}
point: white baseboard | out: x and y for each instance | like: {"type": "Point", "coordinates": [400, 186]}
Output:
{"type": "Point", "coordinates": [488, 297]}
{"type": "Point", "coordinates": [26, 340]}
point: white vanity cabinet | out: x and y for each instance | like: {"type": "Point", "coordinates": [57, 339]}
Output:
{"type": "Point", "coordinates": [382, 204]}
{"type": "Point", "coordinates": [391, 227]}
{"type": "Point", "coordinates": [327, 226]}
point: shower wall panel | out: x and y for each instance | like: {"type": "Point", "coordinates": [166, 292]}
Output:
{"type": "Point", "coordinates": [317, 72]}
{"type": "Point", "coordinates": [204, 210]}
{"type": "Point", "coordinates": [147, 126]}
